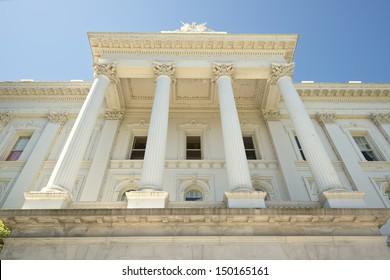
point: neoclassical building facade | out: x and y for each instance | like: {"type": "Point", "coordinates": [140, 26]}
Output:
{"type": "Point", "coordinates": [194, 144]}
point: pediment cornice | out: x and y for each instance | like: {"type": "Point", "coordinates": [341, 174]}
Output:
{"type": "Point", "coordinates": [172, 44]}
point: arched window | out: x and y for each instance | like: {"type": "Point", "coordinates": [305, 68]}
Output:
{"type": "Point", "coordinates": [193, 195]}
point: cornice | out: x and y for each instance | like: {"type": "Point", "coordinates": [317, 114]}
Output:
{"type": "Point", "coordinates": [351, 93]}
{"type": "Point", "coordinates": [146, 44]}
{"type": "Point", "coordinates": [44, 91]}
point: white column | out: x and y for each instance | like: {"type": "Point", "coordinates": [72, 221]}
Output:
{"type": "Point", "coordinates": [236, 162]}
{"type": "Point", "coordinates": [36, 160]}
{"type": "Point", "coordinates": [320, 164]}
{"type": "Point", "coordinates": [154, 160]}
{"type": "Point", "coordinates": [68, 165]}
{"type": "Point", "coordinates": [101, 158]}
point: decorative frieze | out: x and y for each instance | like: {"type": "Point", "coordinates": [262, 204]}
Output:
{"type": "Point", "coordinates": [114, 114]}
{"type": "Point", "coordinates": [164, 69]}
{"type": "Point", "coordinates": [271, 115]}
{"type": "Point", "coordinates": [380, 118]}
{"type": "Point", "coordinates": [280, 70]}
{"type": "Point", "coordinates": [5, 117]}
{"type": "Point", "coordinates": [57, 117]}
{"type": "Point", "coordinates": [222, 70]}
{"type": "Point", "coordinates": [108, 70]}
{"type": "Point", "coordinates": [324, 118]}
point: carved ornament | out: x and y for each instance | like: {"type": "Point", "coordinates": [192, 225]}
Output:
{"type": "Point", "coordinates": [271, 115]}
{"type": "Point", "coordinates": [5, 117]}
{"type": "Point", "coordinates": [114, 114]}
{"type": "Point", "coordinates": [108, 70]}
{"type": "Point", "coordinates": [324, 118]}
{"type": "Point", "coordinates": [280, 70]}
{"type": "Point", "coordinates": [57, 117]}
{"type": "Point", "coordinates": [164, 69]}
{"type": "Point", "coordinates": [380, 118]}
{"type": "Point", "coordinates": [220, 70]}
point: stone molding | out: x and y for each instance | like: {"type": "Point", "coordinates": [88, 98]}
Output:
{"type": "Point", "coordinates": [164, 69]}
{"type": "Point", "coordinates": [58, 117]}
{"type": "Point", "coordinates": [114, 114]}
{"type": "Point", "coordinates": [280, 70]}
{"type": "Point", "coordinates": [5, 117]}
{"type": "Point", "coordinates": [188, 45]}
{"type": "Point", "coordinates": [324, 118]}
{"type": "Point", "coordinates": [376, 217]}
{"type": "Point", "coordinates": [271, 115]}
{"type": "Point", "coordinates": [220, 70]}
{"type": "Point", "coordinates": [108, 70]}
{"type": "Point", "coordinates": [380, 118]}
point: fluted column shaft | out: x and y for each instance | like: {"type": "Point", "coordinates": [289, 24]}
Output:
{"type": "Point", "coordinates": [154, 159]}
{"type": "Point", "coordinates": [236, 161]}
{"type": "Point", "coordinates": [320, 164]}
{"type": "Point", "coordinates": [68, 165]}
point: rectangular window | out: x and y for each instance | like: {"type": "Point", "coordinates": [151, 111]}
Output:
{"type": "Point", "coordinates": [193, 147]}
{"type": "Point", "coordinates": [18, 148]}
{"type": "Point", "coordinates": [365, 148]}
{"type": "Point", "coordinates": [250, 150]}
{"type": "Point", "coordinates": [139, 146]}
{"type": "Point", "coordinates": [300, 148]}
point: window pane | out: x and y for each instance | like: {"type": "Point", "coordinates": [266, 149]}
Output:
{"type": "Point", "coordinates": [21, 143]}
{"type": "Point", "coordinates": [250, 154]}
{"type": "Point", "coordinates": [194, 195]}
{"type": "Point", "coordinates": [137, 154]}
{"type": "Point", "coordinates": [193, 142]}
{"type": "Point", "coordinates": [248, 142]}
{"type": "Point", "coordinates": [14, 155]}
{"type": "Point", "coordinates": [194, 154]}
{"type": "Point", "coordinates": [139, 142]}
{"type": "Point", "coordinates": [369, 155]}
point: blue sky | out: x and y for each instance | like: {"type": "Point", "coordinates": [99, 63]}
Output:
{"type": "Point", "coordinates": [339, 40]}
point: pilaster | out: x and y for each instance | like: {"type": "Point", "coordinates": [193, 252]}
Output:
{"type": "Point", "coordinates": [33, 166]}
{"type": "Point", "coordinates": [97, 172]}
{"type": "Point", "coordinates": [64, 175]}
{"type": "Point", "coordinates": [5, 118]}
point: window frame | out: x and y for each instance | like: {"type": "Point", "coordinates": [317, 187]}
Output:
{"type": "Point", "coordinates": [194, 150]}
{"type": "Point", "coordinates": [132, 149]}
{"type": "Point", "coordinates": [380, 156]}
{"type": "Point", "coordinates": [11, 140]}
{"type": "Point", "coordinates": [254, 149]}
{"type": "Point", "coordinates": [192, 128]}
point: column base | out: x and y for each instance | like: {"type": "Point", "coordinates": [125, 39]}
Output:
{"type": "Point", "coordinates": [47, 200]}
{"type": "Point", "coordinates": [343, 199]}
{"type": "Point", "coordinates": [245, 199]}
{"type": "Point", "coordinates": [147, 199]}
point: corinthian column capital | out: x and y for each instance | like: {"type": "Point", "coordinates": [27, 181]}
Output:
{"type": "Point", "coordinates": [5, 117]}
{"type": "Point", "coordinates": [324, 118]}
{"type": "Point", "coordinates": [280, 70]}
{"type": "Point", "coordinates": [220, 70]}
{"type": "Point", "coordinates": [271, 115]}
{"type": "Point", "coordinates": [114, 114]}
{"type": "Point", "coordinates": [108, 70]}
{"type": "Point", "coordinates": [380, 118]}
{"type": "Point", "coordinates": [164, 69]}
{"type": "Point", "coordinates": [57, 117]}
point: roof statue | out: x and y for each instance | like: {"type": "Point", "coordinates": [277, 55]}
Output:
{"type": "Point", "coordinates": [192, 28]}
